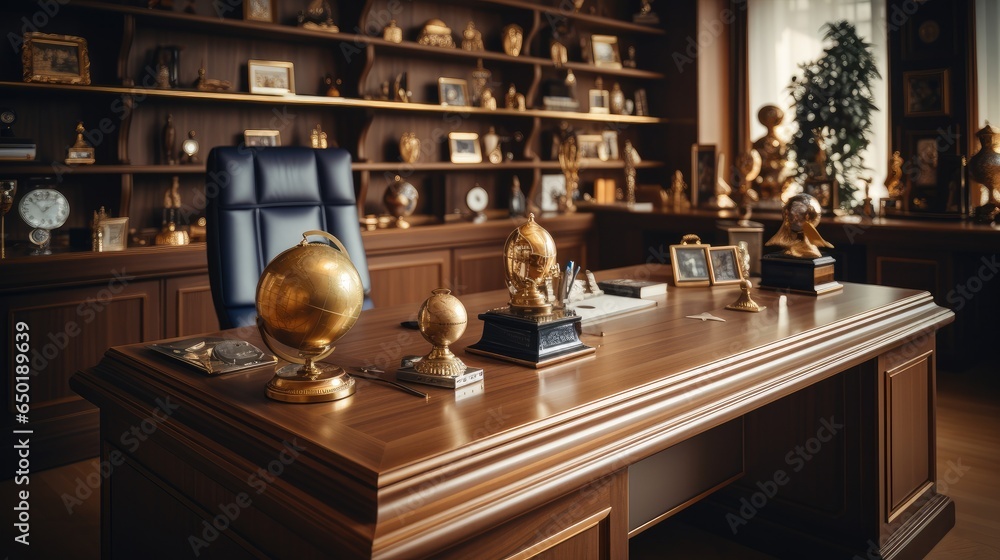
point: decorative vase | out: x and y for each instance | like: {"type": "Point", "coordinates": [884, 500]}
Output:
{"type": "Point", "coordinates": [409, 147]}
{"type": "Point", "coordinates": [984, 166]}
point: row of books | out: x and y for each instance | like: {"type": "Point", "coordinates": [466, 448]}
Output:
{"type": "Point", "coordinates": [16, 149]}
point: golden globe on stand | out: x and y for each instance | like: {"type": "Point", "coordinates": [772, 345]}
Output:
{"type": "Point", "coordinates": [442, 320]}
{"type": "Point", "coordinates": [308, 297]}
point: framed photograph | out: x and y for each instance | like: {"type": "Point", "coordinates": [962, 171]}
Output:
{"type": "Point", "coordinates": [591, 147]}
{"type": "Point", "coordinates": [553, 188]}
{"type": "Point", "coordinates": [703, 173]}
{"type": "Point", "coordinates": [453, 92]}
{"type": "Point", "coordinates": [599, 101]}
{"type": "Point", "coordinates": [604, 49]}
{"type": "Point", "coordinates": [723, 265]}
{"type": "Point", "coordinates": [690, 265]}
{"type": "Point", "coordinates": [55, 59]}
{"type": "Point", "coordinates": [115, 234]}
{"type": "Point", "coordinates": [825, 192]}
{"type": "Point", "coordinates": [464, 147]}
{"type": "Point", "coordinates": [611, 143]}
{"type": "Point", "coordinates": [260, 10]}
{"type": "Point", "coordinates": [269, 77]}
{"type": "Point", "coordinates": [925, 93]}
{"type": "Point", "coordinates": [268, 138]}
{"type": "Point", "coordinates": [933, 174]}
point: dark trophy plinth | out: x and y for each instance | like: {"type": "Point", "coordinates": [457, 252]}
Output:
{"type": "Point", "coordinates": [535, 341]}
{"type": "Point", "coordinates": [813, 276]}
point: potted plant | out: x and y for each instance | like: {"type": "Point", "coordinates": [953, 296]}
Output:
{"type": "Point", "coordinates": [833, 110]}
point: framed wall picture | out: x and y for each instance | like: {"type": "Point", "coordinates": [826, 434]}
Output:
{"type": "Point", "coordinates": [270, 77]}
{"type": "Point", "coordinates": [611, 143]}
{"type": "Point", "coordinates": [55, 59]}
{"type": "Point", "coordinates": [267, 138]}
{"type": "Point", "coordinates": [934, 174]}
{"type": "Point", "coordinates": [114, 233]}
{"type": "Point", "coordinates": [926, 93]}
{"type": "Point", "coordinates": [604, 49]}
{"type": "Point", "coordinates": [464, 147]}
{"type": "Point", "coordinates": [453, 92]}
{"type": "Point", "coordinates": [723, 265]}
{"type": "Point", "coordinates": [260, 10]}
{"type": "Point", "coordinates": [690, 265]}
{"type": "Point", "coordinates": [703, 173]}
{"type": "Point", "coordinates": [553, 188]}
{"type": "Point", "coordinates": [824, 191]}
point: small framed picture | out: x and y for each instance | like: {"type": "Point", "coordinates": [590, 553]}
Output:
{"type": "Point", "coordinates": [825, 192]}
{"type": "Point", "coordinates": [464, 147]}
{"type": "Point", "coordinates": [605, 51]}
{"type": "Point", "coordinates": [269, 77]}
{"type": "Point", "coordinates": [453, 92]}
{"type": "Point", "coordinates": [260, 10]}
{"type": "Point", "coordinates": [55, 59]}
{"type": "Point", "coordinates": [591, 147]}
{"type": "Point", "coordinates": [925, 93]}
{"type": "Point", "coordinates": [703, 174]}
{"type": "Point", "coordinates": [114, 233]}
{"type": "Point", "coordinates": [553, 188]}
{"type": "Point", "coordinates": [268, 138]}
{"type": "Point", "coordinates": [724, 265]}
{"type": "Point", "coordinates": [611, 143]}
{"type": "Point", "coordinates": [599, 101]}
{"type": "Point", "coordinates": [690, 265]}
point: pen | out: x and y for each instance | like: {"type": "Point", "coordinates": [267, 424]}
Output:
{"type": "Point", "coordinates": [572, 281]}
{"type": "Point", "coordinates": [567, 280]}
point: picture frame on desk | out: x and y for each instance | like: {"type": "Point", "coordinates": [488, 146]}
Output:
{"type": "Point", "coordinates": [453, 92]}
{"type": "Point", "coordinates": [261, 137]}
{"type": "Point", "coordinates": [260, 10]}
{"type": "Point", "coordinates": [690, 265]}
{"type": "Point", "coordinates": [55, 59]}
{"type": "Point", "coordinates": [464, 147]}
{"type": "Point", "coordinates": [723, 265]}
{"type": "Point", "coordinates": [271, 77]}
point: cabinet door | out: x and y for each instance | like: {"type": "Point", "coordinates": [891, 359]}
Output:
{"type": "Point", "coordinates": [69, 330]}
{"type": "Point", "coordinates": [408, 277]}
{"type": "Point", "coordinates": [189, 307]}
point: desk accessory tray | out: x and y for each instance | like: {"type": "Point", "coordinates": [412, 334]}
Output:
{"type": "Point", "coordinates": [206, 354]}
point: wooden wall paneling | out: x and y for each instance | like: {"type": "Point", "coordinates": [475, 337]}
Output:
{"type": "Point", "coordinates": [408, 277]}
{"type": "Point", "coordinates": [70, 330]}
{"type": "Point", "coordinates": [188, 306]}
{"type": "Point", "coordinates": [478, 269]}
{"type": "Point", "coordinates": [909, 453]}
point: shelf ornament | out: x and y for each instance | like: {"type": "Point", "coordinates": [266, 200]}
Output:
{"type": "Point", "coordinates": [436, 34]}
{"type": "Point", "coordinates": [8, 188]}
{"type": "Point", "coordinates": [569, 162]}
{"type": "Point", "coordinates": [472, 38]}
{"type": "Point", "coordinates": [513, 37]}
{"type": "Point", "coordinates": [393, 33]}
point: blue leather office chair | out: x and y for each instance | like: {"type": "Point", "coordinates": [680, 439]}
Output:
{"type": "Point", "coordinates": [260, 201]}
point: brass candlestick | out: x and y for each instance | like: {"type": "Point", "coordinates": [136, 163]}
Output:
{"type": "Point", "coordinates": [745, 302]}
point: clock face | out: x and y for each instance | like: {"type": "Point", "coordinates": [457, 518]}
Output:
{"type": "Point", "coordinates": [190, 146]}
{"type": "Point", "coordinates": [7, 116]}
{"type": "Point", "coordinates": [477, 198]}
{"type": "Point", "coordinates": [39, 236]}
{"type": "Point", "coordinates": [44, 208]}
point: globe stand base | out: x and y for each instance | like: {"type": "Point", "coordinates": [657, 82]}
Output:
{"type": "Point", "coordinates": [296, 384]}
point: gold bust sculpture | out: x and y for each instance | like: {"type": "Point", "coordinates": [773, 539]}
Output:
{"type": "Point", "coordinates": [528, 256]}
{"type": "Point", "coordinates": [773, 178]}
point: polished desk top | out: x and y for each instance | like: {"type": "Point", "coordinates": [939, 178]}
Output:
{"type": "Point", "coordinates": [657, 378]}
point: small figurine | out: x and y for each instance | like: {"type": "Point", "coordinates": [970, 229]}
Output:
{"type": "Point", "coordinates": [774, 177]}
{"type": "Point", "coordinates": [646, 14]}
{"type": "Point", "coordinates": [617, 100]}
{"type": "Point", "coordinates": [487, 101]}
{"type": "Point", "coordinates": [748, 166]}
{"type": "Point", "coordinates": [168, 141]}
{"type": "Point", "coordinates": [409, 147]}
{"type": "Point", "coordinates": [513, 36]}
{"type": "Point", "coordinates": [392, 32]}
{"type": "Point", "coordinates": [318, 138]}
{"type": "Point", "coordinates": [480, 78]}
{"type": "Point", "coordinates": [678, 193]}
{"type": "Point", "coordinates": [745, 302]}
{"type": "Point", "coordinates": [436, 33]}
{"type": "Point", "coordinates": [472, 39]}
{"type": "Point", "coordinates": [515, 100]}
{"type": "Point", "coordinates": [798, 234]}
{"type": "Point", "coordinates": [207, 84]}
{"type": "Point", "coordinates": [629, 61]}
{"type": "Point", "coordinates": [631, 160]}
{"type": "Point", "coordinates": [558, 53]}
{"type": "Point", "coordinates": [517, 203]}
{"type": "Point", "coordinates": [569, 162]}
{"type": "Point", "coordinates": [318, 15]}
{"type": "Point", "coordinates": [893, 180]}
{"type": "Point", "coordinates": [332, 86]}
{"type": "Point", "coordinates": [80, 151]}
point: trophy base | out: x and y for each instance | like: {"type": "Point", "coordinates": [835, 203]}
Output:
{"type": "Point", "coordinates": [469, 375]}
{"type": "Point", "coordinates": [291, 384]}
{"type": "Point", "coordinates": [800, 275]}
{"type": "Point", "coordinates": [533, 341]}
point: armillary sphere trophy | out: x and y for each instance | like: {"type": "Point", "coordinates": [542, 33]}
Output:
{"type": "Point", "coordinates": [529, 330]}
{"type": "Point", "coordinates": [8, 187]}
{"type": "Point", "coordinates": [442, 320]}
{"type": "Point", "coordinates": [800, 267]}
{"type": "Point", "coordinates": [308, 297]}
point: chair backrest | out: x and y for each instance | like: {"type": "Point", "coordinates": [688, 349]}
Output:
{"type": "Point", "coordinates": [260, 201]}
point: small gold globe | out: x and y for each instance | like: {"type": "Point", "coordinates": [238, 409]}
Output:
{"type": "Point", "coordinates": [308, 297]}
{"type": "Point", "coordinates": [528, 254]}
{"type": "Point", "coordinates": [442, 319]}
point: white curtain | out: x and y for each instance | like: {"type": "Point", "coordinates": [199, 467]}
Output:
{"type": "Point", "coordinates": [784, 33]}
{"type": "Point", "coordinates": [987, 63]}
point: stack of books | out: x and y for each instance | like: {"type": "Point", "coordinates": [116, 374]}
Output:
{"type": "Point", "coordinates": [13, 148]}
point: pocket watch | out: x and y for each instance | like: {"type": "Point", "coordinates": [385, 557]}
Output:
{"type": "Point", "coordinates": [44, 210]}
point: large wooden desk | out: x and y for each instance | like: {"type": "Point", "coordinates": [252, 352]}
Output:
{"type": "Point", "coordinates": [836, 393]}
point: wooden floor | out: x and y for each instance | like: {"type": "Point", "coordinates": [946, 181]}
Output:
{"type": "Point", "coordinates": [65, 520]}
